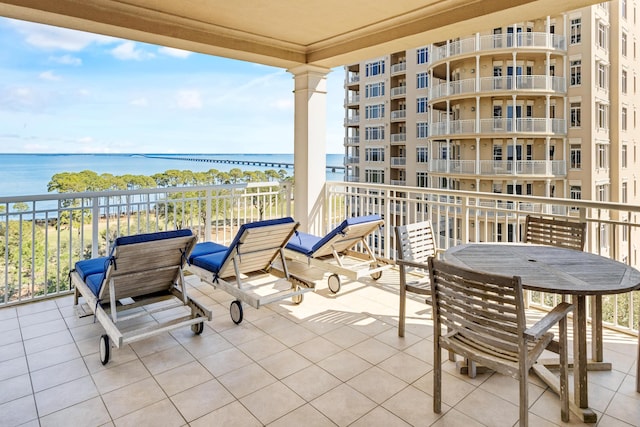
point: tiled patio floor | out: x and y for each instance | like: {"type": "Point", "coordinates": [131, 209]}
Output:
{"type": "Point", "coordinates": [332, 360]}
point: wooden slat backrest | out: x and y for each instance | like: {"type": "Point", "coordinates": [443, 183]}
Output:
{"type": "Point", "coordinates": [555, 232]}
{"type": "Point", "coordinates": [415, 242]}
{"type": "Point", "coordinates": [350, 236]}
{"type": "Point", "coordinates": [483, 311]}
{"type": "Point", "coordinates": [146, 267]}
{"type": "Point", "coordinates": [257, 249]}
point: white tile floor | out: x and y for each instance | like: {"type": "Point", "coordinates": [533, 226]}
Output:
{"type": "Point", "coordinates": [332, 360]}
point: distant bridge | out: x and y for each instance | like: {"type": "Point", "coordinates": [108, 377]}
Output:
{"type": "Point", "coordinates": [261, 163]}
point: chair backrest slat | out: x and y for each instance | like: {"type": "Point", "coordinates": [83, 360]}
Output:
{"type": "Point", "coordinates": [415, 242]}
{"type": "Point", "coordinates": [555, 232]}
{"type": "Point", "coordinates": [482, 309]}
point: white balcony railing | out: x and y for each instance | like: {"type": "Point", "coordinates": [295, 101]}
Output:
{"type": "Point", "coordinates": [473, 44]}
{"type": "Point", "coordinates": [41, 237]}
{"type": "Point", "coordinates": [538, 83]}
{"type": "Point", "coordinates": [398, 161]}
{"type": "Point", "coordinates": [500, 125]}
{"type": "Point", "coordinates": [541, 168]}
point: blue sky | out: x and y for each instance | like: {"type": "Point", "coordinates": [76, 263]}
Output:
{"type": "Point", "coordinates": [65, 91]}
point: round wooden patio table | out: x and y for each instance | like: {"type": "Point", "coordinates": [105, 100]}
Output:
{"type": "Point", "coordinates": [555, 270]}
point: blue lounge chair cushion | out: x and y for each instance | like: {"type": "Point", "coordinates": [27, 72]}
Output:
{"type": "Point", "coordinates": [92, 271]}
{"type": "Point", "coordinates": [206, 248]}
{"type": "Point", "coordinates": [94, 282]}
{"type": "Point", "coordinates": [308, 244]}
{"type": "Point", "coordinates": [87, 267]}
{"type": "Point", "coordinates": [150, 237]}
{"type": "Point", "coordinates": [214, 261]}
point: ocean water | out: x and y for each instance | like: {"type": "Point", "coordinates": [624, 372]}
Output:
{"type": "Point", "coordinates": [29, 174]}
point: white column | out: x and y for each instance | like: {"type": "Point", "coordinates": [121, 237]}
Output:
{"type": "Point", "coordinates": [309, 153]}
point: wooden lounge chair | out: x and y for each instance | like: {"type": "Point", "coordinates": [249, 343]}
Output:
{"type": "Point", "coordinates": [244, 269]}
{"type": "Point", "coordinates": [140, 270]}
{"type": "Point", "coordinates": [414, 246]}
{"type": "Point", "coordinates": [335, 252]}
{"type": "Point", "coordinates": [561, 233]}
{"type": "Point", "coordinates": [485, 322]}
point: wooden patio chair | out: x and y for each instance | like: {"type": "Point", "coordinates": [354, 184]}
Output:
{"type": "Point", "coordinates": [561, 233]}
{"type": "Point", "coordinates": [485, 322]}
{"type": "Point", "coordinates": [415, 244]}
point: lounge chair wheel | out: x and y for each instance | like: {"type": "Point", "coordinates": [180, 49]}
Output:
{"type": "Point", "coordinates": [235, 309]}
{"type": "Point", "coordinates": [198, 327]}
{"type": "Point", "coordinates": [334, 283]}
{"type": "Point", "coordinates": [297, 299]}
{"type": "Point", "coordinates": [377, 275]}
{"type": "Point", "coordinates": [104, 349]}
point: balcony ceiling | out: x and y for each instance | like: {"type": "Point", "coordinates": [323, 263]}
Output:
{"type": "Point", "coordinates": [285, 33]}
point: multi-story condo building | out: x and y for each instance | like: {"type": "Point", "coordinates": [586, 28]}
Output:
{"type": "Point", "coordinates": [544, 107]}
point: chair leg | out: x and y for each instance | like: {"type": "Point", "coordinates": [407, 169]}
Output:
{"type": "Point", "coordinates": [403, 303]}
{"type": "Point", "coordinates": [524, 394]}
{"type": "Point", "coordinates": [564, 371]}
{"type": "Point", "coordinates": [437, 375]}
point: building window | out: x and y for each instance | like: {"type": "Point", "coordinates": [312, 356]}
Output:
{"type": "Point", "coordinates": [623, 118]}
{"type": "Point", "coordinates": [375, 176]}
{"type": "Point", "coordinates": [602, 160]}
{"type": "Point", "coordinates": [373, 90]}
{"type": "Point", "coordinates": [497, 152]}
{"type": "Point", "coordinates": [422, 179]}
{"type": "Point", "coordinates": [576, 156]}
{"type": "Point", "coordinates": [576, 113]}
{"type": "Point", "coordinates": [375, 111]}
{"type": "Point", "coordinates": [623, 81]}
{"type": "Point", "coordinates": [422, 55]}
{"type": "Point", "coordinates": [602, 115]}
{"type": "Point", "coordinates": [374, 154]}
{"type": "Point", "coordinates": [422, 105]}
{"type": "Point", "coordinates": [602, 35]}
{"type": "Point", "coordinates": [575, 193]}
{"type": "Point", "coordinates": [623, 44]}
{"type": "Point", "coordinates": [374, 133]}
{"type": "Point", "coordinates": [602, 75]}
{"type": "Point", "coordinates": [601, 193]}
{"type": "Point", "coordinates": [623, 156]}
{"type": "Point", "coordinates": [423, 80]}
{"type": "Point", "coordinates": [623, 8]}
{"type": "Point", "coordinates": [422, 154]}
{"type": "Point", "coordinates": [576, 72]}
{"type": "Point", "coordinates": [623, 191]}
{"type": "Point", "coordinates": [374, 68]}
{"type": "Point", "coordinates": [422, 130]}
{"type": "Point", "coordinates": [576, 30]}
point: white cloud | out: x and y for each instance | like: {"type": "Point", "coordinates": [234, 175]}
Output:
{"type": "Point", "coordinates": [128, 51]}
{"type": "Point", "coordinates": [85, 140]}
{"type": "Point", "coordinates": [48, 37]}
{"type": "Point", "coordinates": [139, 102]}
{"type": "Point", "coordinates": [50, 76]}
{"type": "Point", "coordinates": [176, 53]}
{"type": "Point", "coordinates": [189, 100]}
{"type": "Point", "coordinates": [67, 60]}
{"type": "Point", "coordinates": [283, 104]}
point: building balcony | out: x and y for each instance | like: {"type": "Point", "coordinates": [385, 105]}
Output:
{"type": "Point", "coordinates": [398, 137]}
{"type": "Point", "coordinates": [352, 140]}
{"type": "Point", "coordinates": [398, 161]}
{"type": "Point", "coordinates": [350, 121]}
{"type": "Point", "coordinates": [398, 115]}
{"type": "Point", "coordinates": [532, 126]}
{"type": "Point", "coordinates": [532, 168]}
{"type": "Point", "coordinates": [351, 160]}
{"type": "Point", "coordinates": [353, 99]}
{"type": "Point", "coordinates": [488, 43]}
{"type": "Point", "coordinates": [490, 85]}
{"type": "Point", "coordinates": [398, 91]}
{"type": "Point", "coordinates": [398, 68]}
{"type": "Point", "coordinates": [308, 358]}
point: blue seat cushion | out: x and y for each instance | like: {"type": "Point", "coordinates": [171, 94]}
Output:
{"type": "Point", "coordinates": [210, 262]}
{"type": "Point", "coordinates": [206, 248]}
{"type": "Point", "coordinates": [214, 261]}
{"type": "Point", "coordinates": [94, 282]}
{"type": "Point", "coordinates": [308, 244]}
{"type": "Point", "coordinates": [88, 267]}
{"type": "Point", "coordinates": [150, 237]}
{"type": "Point", "coordinates": [303, 243]}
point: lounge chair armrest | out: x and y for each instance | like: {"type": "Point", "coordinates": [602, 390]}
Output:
{"type": "Point", "coordinates": [548, 321]}
{"type": "Point", "coordinates": [412, 264]}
